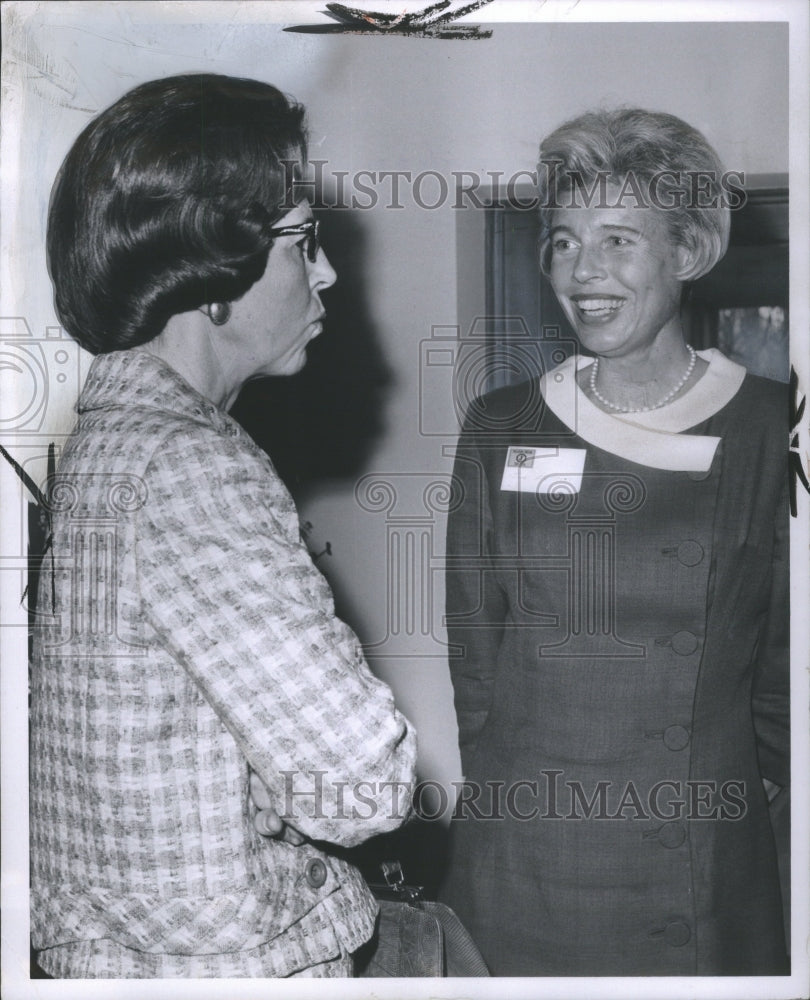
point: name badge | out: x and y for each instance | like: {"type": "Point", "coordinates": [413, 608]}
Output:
{"type": "Point", "coordinates": [543, 470]}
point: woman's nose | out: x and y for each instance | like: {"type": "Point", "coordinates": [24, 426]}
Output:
{"type": "Point", "coordinates": [322, 270]}
{"type": "Point", "coordinates": [589, 264]}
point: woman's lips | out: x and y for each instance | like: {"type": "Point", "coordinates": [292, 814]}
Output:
{"type": "Point", "coordinates": [597, 306]}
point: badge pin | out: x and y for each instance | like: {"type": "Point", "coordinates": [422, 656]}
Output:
{"type": "Point", "coordinates": [520, 458]}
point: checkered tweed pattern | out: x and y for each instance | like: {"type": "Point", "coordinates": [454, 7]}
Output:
{"type": "Point", "coordinates": [193, 639]}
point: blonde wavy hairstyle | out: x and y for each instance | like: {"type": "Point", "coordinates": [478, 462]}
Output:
{"type": "Point", "coordinates": [659, 153]}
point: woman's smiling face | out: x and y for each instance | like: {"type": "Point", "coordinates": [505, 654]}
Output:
{"type": "Point", "coordinates": [616, 274]}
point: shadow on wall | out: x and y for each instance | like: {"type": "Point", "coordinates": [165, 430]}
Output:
{"type": "Point", "coordinates": [321, 424]}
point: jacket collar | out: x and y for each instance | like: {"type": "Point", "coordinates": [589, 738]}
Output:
{"type": "Point", "coordinates": [654, 438]}
{"type": "Point", "coordinates": [137, 378]}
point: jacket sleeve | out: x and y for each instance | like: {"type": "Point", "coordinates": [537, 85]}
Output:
{"type": "Point", "coordinates": [232, 593]}
{"type": "Point", "coordinates": [771, 689]}
{"type": "Point", "coordinates": [476, 604]}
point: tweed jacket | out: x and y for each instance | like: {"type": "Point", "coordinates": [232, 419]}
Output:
{"type": "Point", "coordinates": [192, 640]}
{"type": "Point", "coordinates": [617, 598]}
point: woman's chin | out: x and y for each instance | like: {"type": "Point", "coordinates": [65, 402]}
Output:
{"type": "Point", "coordinates": [600, 340]}
{"type": "Point", "coordinates": [298, 364]}
{"type": "Point", "coordinates": [289, 366]}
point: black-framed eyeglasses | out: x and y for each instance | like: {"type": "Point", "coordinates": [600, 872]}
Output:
{"type": "Point", "coordinates": [309, 230]}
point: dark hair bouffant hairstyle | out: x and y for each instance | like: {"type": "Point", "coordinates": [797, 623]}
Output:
{"type": "Point", "coordinates": [164, 202]}
{"type": "Point", "coordinates": [662, 155]}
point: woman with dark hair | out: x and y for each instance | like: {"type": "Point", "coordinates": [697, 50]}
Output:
{"type": "Point", "coordinates": [617, 598]}
{"type": "Point", "coordinates": [202, 724]}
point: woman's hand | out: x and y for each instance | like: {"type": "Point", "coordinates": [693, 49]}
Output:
{"type": "Point", "coordinates": [267, 821]}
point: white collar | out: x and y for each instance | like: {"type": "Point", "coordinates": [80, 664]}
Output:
{"type": "Point", "coordinates": [654, 438]}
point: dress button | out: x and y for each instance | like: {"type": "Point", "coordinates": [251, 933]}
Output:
{"type": "Point", "coordinates": [677, 933]}
{"type": "Point", "coordinates": [672, 835]}
{"type": "Point", "coordinates": [676, 737]}
{"type": "Point", "coordinates": [690, 552]}
{"type": "Point", "coordinates": [315, 873]}
{"type": "Point", "coordinates": [684, 643]}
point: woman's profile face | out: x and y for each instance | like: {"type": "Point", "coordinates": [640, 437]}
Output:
{"type": "Point", "coordinates": [615, 272]}
{"type": "Point", "coordinates": [273, 322]}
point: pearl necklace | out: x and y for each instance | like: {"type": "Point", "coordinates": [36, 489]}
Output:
{"type": "Point", "coordinates": [642, 409]}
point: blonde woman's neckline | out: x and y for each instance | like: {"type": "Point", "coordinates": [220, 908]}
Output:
{"type": "Point", "coordinates": [564, 396]}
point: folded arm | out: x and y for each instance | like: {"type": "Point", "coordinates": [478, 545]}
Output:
{"type": "Point", "coordinates": [232, 593]}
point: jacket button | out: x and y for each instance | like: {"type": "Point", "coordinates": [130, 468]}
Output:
{"type": "Point", "coordinates": [315, 873]}
{"type": "Point", "coordinates": [690, 552]}
{"type": "Point", "coordinates": [684, 643]}
{"type": "Point", "coordinates": [672, 835]}
{"type": "Point", "coordinates": [676, 737]}
{"type": "Point", "coordinates": [677, 933]}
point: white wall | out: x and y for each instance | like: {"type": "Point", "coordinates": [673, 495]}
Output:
{"type": "Point", "coordinates": [384, 104]}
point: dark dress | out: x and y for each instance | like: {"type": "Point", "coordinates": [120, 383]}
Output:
{"type": "Point", "coordinates": [621, 683]}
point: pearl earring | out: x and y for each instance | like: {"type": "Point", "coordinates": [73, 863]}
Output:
{"type": "Point", "coordinates": [219, 312]}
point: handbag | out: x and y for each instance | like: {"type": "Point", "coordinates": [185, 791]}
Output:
{"type": "Point", "coordinates": [415, 936]}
